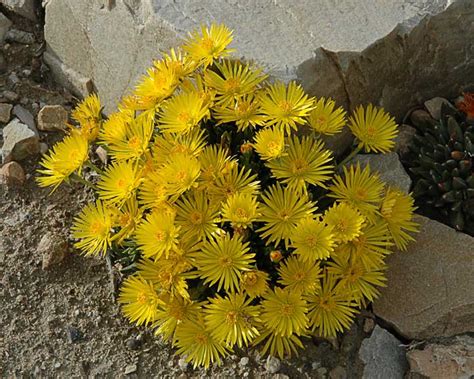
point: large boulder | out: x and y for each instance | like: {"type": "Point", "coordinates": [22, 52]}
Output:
{"type": "Point", "coordinates": [86, 46]}
{"type": "Point", "coordinates": [430, 289]}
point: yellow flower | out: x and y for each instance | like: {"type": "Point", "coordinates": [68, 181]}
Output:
{"type": "Point", "coordinates": [127, 218]}
{"type": "Point", "coordinates": [283, 346]}
{"type": "Point", "coordinates": [139, 300]}
{"type": "Point", "coordinates": [298, 275]}
{"type": "Point", "coordinates": [177, 62]}
{"type": "Point", "coordinates": [236, 180]}
{"type": "Point", "coordinates": [232, 319]}
{"type": "Point", "coordinates": [285, 106]}
{"type": "Point", "coordinates": [269, 143]}
{"type": "Point", "coordinates": [397, 210]}
{"type": "Point", "coordinates": [233, 81]}
{"type": "Point", "coordinates": [305, 162]}
{"type": "Point", "coordinates": [197, 216]}
{"type": "Point", "coordinates": [281, 212]}
{"type": "Point", "coordinates": [325, 119]}
{"type": "Point", "coordinates": [284, 312]}
{"type": "Point", "coordinates": [215, 161]}
{"type": "Point", "coordinates": [179, 174]}
{"type": "Point", "coordinates": [93, 228]}
{"type": "Point", "coordinates": [345, 221]}
{"type": "Point", "coordinates": [136, 139]}
{"type": "Point", "coordinates": [168, 145]}
{"type": "Point", "coordinates": [375, 129]}
{"type": "Point", "coordinates": [360, 188]}
{"type": "Point", "coordinates": [88, 114]}
{"type": "Point", "coordinates": [182, 113]}
{"type": "Point", "coordinates": [254, 283]}
{"type": "Point", "coordinates": [153, 192]}
{"type": "Point", "coordinates": [172, 312]}
{"type": "Point", "coordinates": [119, 182]}
{"type": "Point", "coordinates": [67, 156]}
{"type": "Point", "coordinates": [209, 45]}
{"type": "Point", "coordinates": [114, 129]}
{"type": "Point", "coordinates": [154, 87]}
{"type": "Point", "coordinates": [195, 342]}
{"type": "Point", "coordinates": [157, 235]}
{"type": "Point", "coordinates": [222, 260]}
{"type": "Point", "coordinates": [240, 210]}
{"type": "Point", "coordinates": [356, 278]}
{"type": "Point", "coordinates": [196, 84]}
{"type": "Point", "coordinates": [245, 112]}
{"type": "Point", "coordinates": [330, 308]}
{"type": "Point", "coordinates": [313, 240]}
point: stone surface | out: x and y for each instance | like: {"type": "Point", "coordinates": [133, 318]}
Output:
{"type": "Point", "coordinates": [5, 112]}
{"type": "Point", "coordinates": [403, 140]}
{"type": "Point", "coordinates": [279, 35]}
{"type": "Point", "coordinates": [433, 106]}
{"type": "Point", "coordinates": [383, 356]}
{"type": "Point", "coordinates": [25, 8]}
{"type": "Point", "coordinates": [20, 36]}
{"type": "Point", "coordinates": [19, 141]}
{"type": "Point", "coordinates": [5, 24]}
{"type": "Point", "coordinates": [52, 118]}
{"type": "Point", "coordinates": [25, 116]}
{"type": "Point", "coordinates": [389, 167]}
{"type": "Point", "coordinates": [455, 360]}
{"type": "Point", "coordinates": [52, 248]}
{"type": "Point", "coordinates": [12, 174]}
{"type": "Point", "coordinates": [430, 289]}
{"type": "Point", "coordinates": [414, 63]}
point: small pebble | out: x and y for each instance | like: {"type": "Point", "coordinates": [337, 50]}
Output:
{"type": "Point", "coordinates": [10, 96]}
{"type": "Point", "coordinates": [322, 372]}
{"type": "Point", "coordinates": [5, 112]}
{"type": "Point", "coordinates": [43, 148]}
{"type": "Point", "coordinates": [57, 365]}
{"type": "Point", "coordinates": [73, 334]}
{"type": "Point", "coordinates": [13, 78]}
{"type": "Point", "coordinates": [130, 369]}
{"type": "Point", "coordinates": [19, 36]}
{"type": "Point", "coordinates": [315, 365]}
{"type": "Point", "coordinates": [369, 325]}
{"type": "Point", "coordinates": [272, 365]}
{"type": "Point", "coordinates": [133, 343]}
{"type": "Point", "coordinates": [183, 365]}
{"type": "Point", "coordinates": [338, 373]}
{"type": "Point", "coordinates": [244, 361]}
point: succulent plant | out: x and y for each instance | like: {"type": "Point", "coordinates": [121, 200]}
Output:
{"type": "Point", "coordinates": [442, 163]}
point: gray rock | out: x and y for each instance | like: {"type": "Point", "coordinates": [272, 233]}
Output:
{"type": "Point", "coordinates": [19, 141]}
{"type": "Point", "coordinates": [417, 60]}
{"type": "Point", "coordinates": [183, 365]}
{"type": "Point", "coordinates": [383, 356]}
{"type": "Point", "coordinates": [338, 372]}
{"type": "Point", "coordinates": [5, 24]}
{"type": "Point", "coordinates": [5, 112]}
{"type": "Point", "coordinates": [433, 106]}
{"type": "Point", "coordinates": [25, 116]}
{"type": "Point", "coordinates": [3, 63]}
{"type": "Point", "coordinates": [52, 118]}
{"type": "Point", "coordinates": [20, 36]}
{"type": "Point", "coordinates": [244, 361]}
{"type": "Point", "coordinates": [102, 154]}
{"type": "Point", "coordinates": [52, 248]}
{"type": "Point", "coordinates": [272, 364]}
{"type": "Point", "coordinates": [13, 78]}
{"type": "Point", "coordinates": [404, 138]}
{"type": "Point", "coordinates": [12, 174]}
{"type": "Point", "coordinates": [279, 35]}
{"type": "Point", "coordinates": [421, 118]}
{"type": "Point", "coordinates": [130, 369]}
{"type": "Point", "coordinates": [389, 167]}
{"type": "Point", "coordinates": [43, 148]}
{"type": "Point", "coordinates": [454, 360]}
{"type": "Point", "coordinates": [10, 96]}
{"type": "Point", "coordinates": [430, 289]}
{"type": "Point", "coordinates": [25, 8]}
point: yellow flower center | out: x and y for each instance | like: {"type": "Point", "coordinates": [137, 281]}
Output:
{"type": "Point", "coordinates": [134, 142]}
{"type": "Point", "coordinates": [243, 108]}
{"type": "Point", "coordinates": [160, 236]}
{"type": "Point", "coordinates": [299, 276]}
{"type": "Point", "coordinates": [201, 339]}
{"type": "Point", "coordinates": [196, 217]}
{"type": "Point", "coordinates": [361, 194]}
{"type": "Point", "coordinates": [371, 131]}
{"type": "Point", "coordinates": [142, 298]}
{"type": "Point", "coordinates": [185, 118]}
{"type": "Point", "coordinates": [121, 183]}
{"type": "Point", "coordinates": [273, 148]}
{"type": "Point", "coordinates": [298, 166]}
{"type": "Point", "coordinates": [311, 241]}
{"type": "Point", "coordinates": [342, 226]}
{"type": "Point", "coordinates": [73, 154]}
{"type": "Point", "coordinates": [225, 261]}
{"type": "Point", "coordinates": [287, 310]}
{"type": "Point", "coordinates": [232, 317]}
{"type": "Point", "coordinates": [207, 43]}
{"type": "Point", "coordinates": [284, 214]}
{"type": "Point", "coordinates": [177, 312]}
{"type": "Point", "coordinates": [251, 279]}
{"type": "Point", "coordinates": [124, 219]}
{"type": "Point", "coordinates": [241, 213]}
{"type": "Point", "coordinates": [97, 228]}
{"type": "Point", "coordinates": [232, 85]}
{"type": "Point", "coordinates": [320, 120]}
{"type": "Point", "coordinates": [181, 176]}
{"type": "Point", "coordinates": [327, 303]}
{"type": "Point", "coordinates": [286, 107]}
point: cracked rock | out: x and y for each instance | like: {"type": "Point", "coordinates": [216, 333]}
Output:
{"type": "Point", "coordinates": [12, 174]}
{"type": "Point", "coordinates": [430, 288]}
{"type": "Point", "coordinates": [20, 141]}
{"type": "Point", "coordinates": [52, 248]}
{"type": "Point", "coordinates": [383, 356]}
{"type": "Point", "coordinates": [52, 118]}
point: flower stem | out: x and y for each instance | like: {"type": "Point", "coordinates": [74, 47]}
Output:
{"type": "Point", "coordinates": [81, 180]}
{"type": "Point", "coordinates": [349, 157]}
{"type": "Point", "coordinates": [94, 167]}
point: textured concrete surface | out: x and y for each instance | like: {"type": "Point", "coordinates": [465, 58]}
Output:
{"type": "Point", "coordinates": [110, 43]}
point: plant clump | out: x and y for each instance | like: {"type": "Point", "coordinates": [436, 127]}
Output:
{"type": "Point", "coordinates": [442, 163]}
{"type": "Point", "coordinates": [237, 225]}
